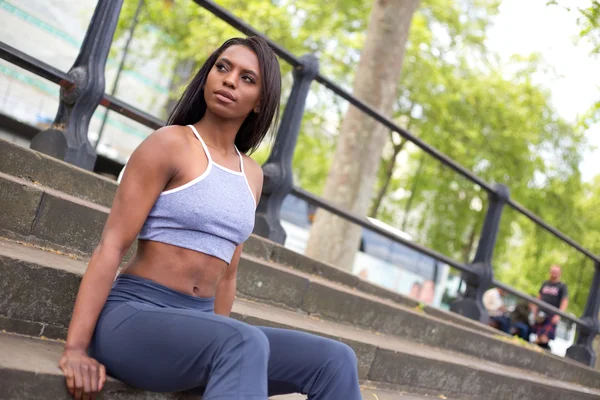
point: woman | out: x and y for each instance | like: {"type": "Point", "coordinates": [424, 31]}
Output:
{"type": "Point", "coordinates": [189, 195]}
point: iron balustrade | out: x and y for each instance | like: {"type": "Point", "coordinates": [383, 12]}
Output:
{"type": "Point", "coordinates": [82, 90]}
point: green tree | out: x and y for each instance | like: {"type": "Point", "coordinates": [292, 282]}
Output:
{"type": "Point", "coordinates": [590, 24]}
{"type": "Point", "coordinates": [501, 126]}
{"type": "Point", "coordinates": [361, 138]}
{"type": "Point", "coordinates": [588, 18]}
{"type": "Point", "coordinates": [568, 205]}
{"type": "Point", "coordinates": [489, 117]}
{"type": "Point", "coordinates": [186, 33]}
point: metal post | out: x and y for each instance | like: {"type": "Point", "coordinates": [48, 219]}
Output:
{"type": "Point", "coordinates": [471, 304]}
{"type": "Point", "coordinates": [113, 91]}
{"type": "Point", "coordinates": [582, 350]}
{"type": "Point", "coordinates": [277, 170]}
{"type": "Point", "coordinates": [67, 137]}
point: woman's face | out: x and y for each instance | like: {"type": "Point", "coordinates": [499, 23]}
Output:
{"type": "Point", "coordinates": [233, 84]}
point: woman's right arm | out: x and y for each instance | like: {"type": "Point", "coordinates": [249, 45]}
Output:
{"type": "Point", "coordinates": [148, 171]}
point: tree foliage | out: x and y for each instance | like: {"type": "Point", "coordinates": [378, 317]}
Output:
{"type": "Point", "coordinates": [361, 138]}
{"type": "Point", "coordinates": [454, 94]}
{"type": "Point", "coordinates": [588, 18]}
{"type": "Point", "coordinates": [590, 24]}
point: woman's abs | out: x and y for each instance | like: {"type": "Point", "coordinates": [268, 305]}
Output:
{"type": "Point", "coordinates": [183, 270]}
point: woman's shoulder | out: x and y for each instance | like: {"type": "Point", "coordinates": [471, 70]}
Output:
{"type": "Point", "coordinates": [167, 140]}
{"type": "Point", "coordinates": [160, 149]}
{"type": "Point", "coordinates": [171, 135]}
{"type": "Point", "coordinates": [252, 167]}
{"type": "Point", "coordinates": [164, 144]}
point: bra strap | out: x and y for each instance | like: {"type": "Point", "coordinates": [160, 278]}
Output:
{"type": "Point", "coordinates": [202, 143]}
{"type": "Point", "coordinates": [241, 159]}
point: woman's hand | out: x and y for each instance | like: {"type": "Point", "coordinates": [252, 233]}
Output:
{"type": "Point", "coordinates": [85, 376]}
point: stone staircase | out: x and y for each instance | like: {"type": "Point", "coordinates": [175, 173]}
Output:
{"type": "Point", "coordinates": [51, 217]}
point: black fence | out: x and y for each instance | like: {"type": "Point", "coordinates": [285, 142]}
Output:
{"type": "Point", "coordinates": [82, 90]}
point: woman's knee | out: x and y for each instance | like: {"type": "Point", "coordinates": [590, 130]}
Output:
{"type": "Point", "coordinates": [259, 339]}
{"type": "Point", "coordinates": [254, 340]}
{"type": "Point", "coordinates": [341, 357]}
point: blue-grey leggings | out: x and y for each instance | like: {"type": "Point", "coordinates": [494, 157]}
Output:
{"type": "Point", "coordinates": [154, 338]}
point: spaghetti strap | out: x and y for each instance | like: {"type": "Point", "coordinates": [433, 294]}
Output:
{"type": "Point", "coordinates": [244, 174]}
{"type": "Point", "coordinates": [202, 143]}
{"type": "Point", "coordinates": [241, 159]}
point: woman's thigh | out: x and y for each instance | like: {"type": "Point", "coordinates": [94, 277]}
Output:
{"type": "Point", "coordinates": [170, 349]}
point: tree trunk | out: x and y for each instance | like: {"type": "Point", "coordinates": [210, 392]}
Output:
{"type": "Point", "coordinates": [389, 172]}
{"type": "Point", "coordinates": [361, 140]}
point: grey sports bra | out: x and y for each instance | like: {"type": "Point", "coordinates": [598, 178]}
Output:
{"type": "Point", "coordinates": [212, 214]}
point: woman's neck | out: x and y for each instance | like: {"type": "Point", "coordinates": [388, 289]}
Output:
{"type": "Point", "coordinates": [218, 133]}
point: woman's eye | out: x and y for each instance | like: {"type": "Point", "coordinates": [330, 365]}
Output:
{"type": "Point", "coordinates": [249, 79]}
{"type": "Point", "coordinates": [220, 67]}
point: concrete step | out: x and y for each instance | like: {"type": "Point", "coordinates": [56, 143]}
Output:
{"type": "Point", "coordinates": [28, 365]}
{"type": "Point", "coordinates": [51, 203]}
{"type": "Point", "coordinates": [29, 370]}
{"type": "Point", "coordinates": [278, 254]}
{"type": "Point", "coordinates": [48, 217]}
{"type": "Point", "coordinates": [62, 178]}
{"type": "Point", "coordinates": [45, 216]}
{"type": "Point", "coordinates": [34, 166]}
{"type": "Point", "coordinates": [373, 394]}
{"type": "Point", "coordinates": [44, 171]}
{"type": "Point", "coordinates": [38, 289]}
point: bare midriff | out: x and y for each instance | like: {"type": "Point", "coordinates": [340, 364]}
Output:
{"type": "Point", "coordinates": [183, 270]}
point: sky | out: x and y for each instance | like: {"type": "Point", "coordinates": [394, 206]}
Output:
{"type": "Point", "coordinates": [527, 26]}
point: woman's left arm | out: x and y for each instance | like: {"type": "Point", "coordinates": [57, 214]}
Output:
{"type": "Point", "coordinates": [227, 286]}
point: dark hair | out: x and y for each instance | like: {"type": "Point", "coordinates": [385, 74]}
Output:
{"type": "Point", "coordinates": [191, 106]}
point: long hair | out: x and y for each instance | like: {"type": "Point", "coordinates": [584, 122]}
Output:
{"type": "Point", "coordinates": [191, 106]}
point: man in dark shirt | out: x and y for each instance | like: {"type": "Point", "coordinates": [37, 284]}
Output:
{"type": "Point", "coordinates": [553, 292]}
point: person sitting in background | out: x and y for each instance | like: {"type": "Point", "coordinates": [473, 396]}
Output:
{"type": "Point", "coordinates": [553, 292]}
{"type": "Point", "coordinates": [492, 300]}
{"type": "Point", "coordinates": [519, 320]}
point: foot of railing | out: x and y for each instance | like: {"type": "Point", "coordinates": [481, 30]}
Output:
{"type": "Point", "coordinates": [471, 303]}
{"type": "Point", "coordinates": [583, 350]}
{"type": "Point", "coordinates": [67, 138]}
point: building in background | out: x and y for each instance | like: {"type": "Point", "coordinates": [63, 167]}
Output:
{"type": "Point", "coordinates": [52, 31]}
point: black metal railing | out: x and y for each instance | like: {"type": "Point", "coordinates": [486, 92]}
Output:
{"type": "Point", "coordinates": [82, 90]}
{"type": "Point", "coordinates": [479, 274]}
